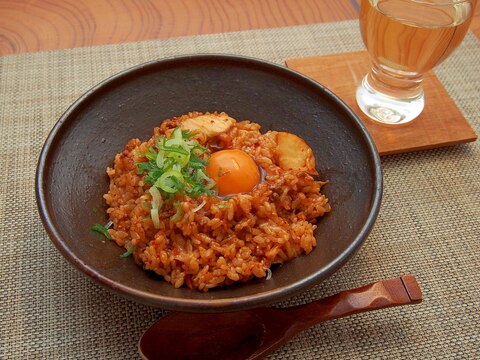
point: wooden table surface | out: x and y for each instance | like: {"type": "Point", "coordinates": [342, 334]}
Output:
{"type": "Point", "coordinates": [38, 25]}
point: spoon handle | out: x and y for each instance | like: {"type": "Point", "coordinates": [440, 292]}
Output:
{"type": "Point", "coordinates": [378, 295]}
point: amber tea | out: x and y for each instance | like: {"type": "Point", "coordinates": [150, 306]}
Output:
{"type": "Point", "coordinates": [405, 39]}
{"type": "Point", "coordinates": [413, 36]}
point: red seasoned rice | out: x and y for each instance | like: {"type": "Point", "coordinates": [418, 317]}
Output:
{"type": "Point", "coordinates": [224, 241]}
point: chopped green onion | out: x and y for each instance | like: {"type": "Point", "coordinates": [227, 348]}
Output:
{"type": "Point", "coordinates": [101, 230]}
{"type": "Point", "coordinates": [144, 167]}
{"type": "Point", "coordinates": [269, 274]}
{"type": "Point", "coordinates": [196, 162]}
{"type": "Point", "coordinates": [199, 206]}
{"type": "Point", "coordinates": [178, 215]}
{"type": "Point", "coordinates": [170, 182]}
{"type": "Point", "coordinates": [128, 252]}
{"type": "Point", "coordinates": [160, 160]}
{"type": "Point", "coordinates": [176, 138]}
{"type": "Point", "coordinates": [172, 148]}
{"type": "Point", "coordinates": [209, 181]}
{"type": "Point", "coordinates": [156, 197]}
{"type": "Point", "coordinates": [151, 154]}
{"type": "Point", "coordinates": [181, 159]}
{"type": "Point", "coordinates": [155, 217]}
{"type": "Point", "coordinates": [175, 165]}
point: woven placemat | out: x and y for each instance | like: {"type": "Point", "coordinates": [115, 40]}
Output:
{"type": "Point", "coordinates": [428, 224]}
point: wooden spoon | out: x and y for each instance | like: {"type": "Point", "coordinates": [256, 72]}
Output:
{"type": "Point", "coordinates": [253, 334]}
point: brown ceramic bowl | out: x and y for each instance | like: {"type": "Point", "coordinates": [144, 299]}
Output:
{"type": "Point", "coordinates": [71, 175]}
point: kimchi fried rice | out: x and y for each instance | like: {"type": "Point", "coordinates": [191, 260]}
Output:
{"type": "Point", "coordinates": [207, 241]}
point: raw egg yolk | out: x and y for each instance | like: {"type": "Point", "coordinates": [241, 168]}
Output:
{"type": "Point", "coordinates": [234, 171]}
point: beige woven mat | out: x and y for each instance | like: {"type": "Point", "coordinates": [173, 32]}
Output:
{"type": "Point", "coordinates": [428, 224]}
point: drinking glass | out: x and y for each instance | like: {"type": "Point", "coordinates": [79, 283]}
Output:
{"type": "Point", "coordinates": [405, 39]}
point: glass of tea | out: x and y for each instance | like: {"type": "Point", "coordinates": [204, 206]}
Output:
{"type": "Point", "coordinates": [405, 39]}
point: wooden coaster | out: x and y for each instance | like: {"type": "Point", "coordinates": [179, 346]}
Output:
{"type": "Point", "coordinates": [440, 124]}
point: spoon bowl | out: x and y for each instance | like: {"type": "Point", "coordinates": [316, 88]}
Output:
{"type": "Point", "coordinates": [240, 340]}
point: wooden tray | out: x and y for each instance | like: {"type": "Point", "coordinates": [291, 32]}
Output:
{"type": "Point", "coordinates": [440, 124]}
